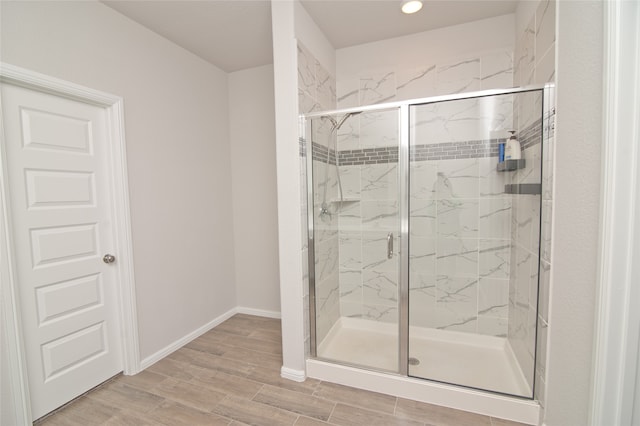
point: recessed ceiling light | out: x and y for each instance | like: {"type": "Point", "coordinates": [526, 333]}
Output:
{"type": "Point", "coordinates": [411, 6]}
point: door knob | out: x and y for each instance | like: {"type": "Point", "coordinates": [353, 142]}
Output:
{"type": "Point", "coordinates": [109, 258]}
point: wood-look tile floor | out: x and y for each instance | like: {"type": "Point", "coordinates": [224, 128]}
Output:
{"type": "Point", "coordinates": [231, 376]}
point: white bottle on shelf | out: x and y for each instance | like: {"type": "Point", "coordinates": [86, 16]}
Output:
{"type": "Point", "coordinates": [512, 149]}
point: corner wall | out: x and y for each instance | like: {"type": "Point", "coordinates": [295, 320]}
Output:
{"type": "Point", "coordinates": [253, 168]}
{"type": "Point", "coordinates": [176, 118]}
{"type": "Point", "coordinates": [574, 251]}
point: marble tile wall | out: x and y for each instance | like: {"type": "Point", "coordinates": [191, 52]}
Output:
{"type": "Point", "coordinates": [368, 279]}
{"type": "Point", "coordinates": [534, 63]}
{"type": "Point", "coordinates": [459, 216]}
{"type": "Point", "coordinates": [523, 284]}
{"type": "Point", "coordinates": [490, 70]}
{"type": "Point", "coordinates": [316, 92]}
{"type": "Point", "coordinates": [460, 226]}
{"type": "Point", "coordinates": [459, 246]}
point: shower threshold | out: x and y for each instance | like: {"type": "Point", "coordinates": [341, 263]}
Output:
{"type": "Point", "coordinates": [477, 361]}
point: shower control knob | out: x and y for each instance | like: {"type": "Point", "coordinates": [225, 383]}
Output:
{"type": "Point", "coordinates": [109, 258]}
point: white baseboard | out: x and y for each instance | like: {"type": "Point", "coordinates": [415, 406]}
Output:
{"type": "Point", "coordinates": [258, 312]}
{"type": "Point", "coordinates": [152, 359]}
{"type": "Point", "coordinates": [291, 374]}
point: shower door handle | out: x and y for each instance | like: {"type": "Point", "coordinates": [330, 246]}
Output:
{"type": "Point", "coordinates": [390, 245]}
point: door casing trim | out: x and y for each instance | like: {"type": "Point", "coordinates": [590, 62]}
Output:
{"type": "Point", "coordinates": [119, 188]}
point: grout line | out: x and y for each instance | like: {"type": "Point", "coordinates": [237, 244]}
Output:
{"type": "Point", "coordinates": [259, 390]}
{"type": "Point", "coordinates": [335, 404]}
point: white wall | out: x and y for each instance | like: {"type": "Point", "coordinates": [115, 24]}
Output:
{"type": "Point", "coordinates": [428, 47]}
{"type": "Point", "coordinates": [288, 173]}
{"type": "Point", "coordinates": [176, 116]}
{"type": "Point", "coordinates": [576, 211]}
{"type": "Point", "coordinates": [253, 166]}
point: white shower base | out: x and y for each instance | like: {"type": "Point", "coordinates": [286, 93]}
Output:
{"type": "Point", "coordinates": [477, 361]}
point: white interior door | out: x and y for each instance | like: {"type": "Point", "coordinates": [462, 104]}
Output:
{"type": "Point", "coordinates": [60, 204]}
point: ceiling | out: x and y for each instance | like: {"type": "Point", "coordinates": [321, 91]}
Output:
{"type": "Point", "coordinates": [236, 34]}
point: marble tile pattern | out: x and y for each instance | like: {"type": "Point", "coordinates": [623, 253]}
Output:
{"type": "Point", "coordinates": [461, 226]}
{"type": "Point", "coordinates": [416, 82]}
{"type": "Point", "coordinates": [463, 121]}
{"type": "Point", "coordinates": [460, 233]}
{"type": "Point", "coordinates": [326, 245]}
{"type": "Point", "coordinates": [491, 70]}
{"type": "Point", "coordinates": [366, 140]}
{"type": "Point", "coordinates": [458, 76]}
{"type": "Point", "coordinates": [534, 63]}
{"type": "Point", "coordinates": [317, 91]}
{"type": "Point", "coordinates": [535, 50]}
{"type": "Point", "coordinates": [459, 248]}
{"type": "Point", "coordinates": [461, 223]}
{"type": "Point", "coordinates": [370, 284]}
{"type": "Point", "coordinates": [377, 88]}
{"type": "Point", "coordinates": [525, 54]}
{"type": "Point", "coordinates": [371, 289]}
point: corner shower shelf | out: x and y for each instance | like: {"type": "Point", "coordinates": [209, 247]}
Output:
{"type": "Point", "coordinates": [510, 165]}
{"type": "Point", "coordinates": [523, 188]}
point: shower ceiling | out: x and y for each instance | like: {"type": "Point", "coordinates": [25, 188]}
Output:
{"type": "Point", "coordinates": [236, 34]}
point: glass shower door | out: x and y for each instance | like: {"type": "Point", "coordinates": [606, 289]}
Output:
{"type": "Point", "coordinates": [474, 242]}
{"type": "Point", "coordinates": [356, 223]}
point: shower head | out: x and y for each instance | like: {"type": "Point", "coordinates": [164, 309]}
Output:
{"type": "Point", "coordinates": [331, 119]}
{"type": "Point", "coordinates": [338, 124]}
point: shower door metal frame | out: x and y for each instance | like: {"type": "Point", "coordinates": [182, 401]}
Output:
{"type": "Point", "coordinates": [403, 188]}
{"type": "Point", "coordinates": [403, 287]}
{"type": "Point", "coordinates": [306, 130]}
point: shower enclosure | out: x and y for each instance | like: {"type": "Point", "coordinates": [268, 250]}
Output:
{"type": "Point", "coordinates": [423, 246]}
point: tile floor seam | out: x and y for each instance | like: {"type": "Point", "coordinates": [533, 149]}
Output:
{"type": "Point", "coordinates": [256, 394]}
{"type": "Point", "coordinates": [335, 404]}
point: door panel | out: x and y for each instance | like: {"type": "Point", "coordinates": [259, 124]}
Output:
{"type": "Point", "coordinates": [356, 237]}
{"type": "Point", "coordinates": [57, 155]}
{"type": "Point", "coordinates": [60, 300]}
{"type": "Point", "coordinates": [48, 188]}
{"type": "Point", "coordinates": [48, 130]}
{"type": "Point", "coordinates": [474, 243]}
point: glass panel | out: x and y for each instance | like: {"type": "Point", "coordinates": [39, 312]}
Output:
{"type": "Point", "coordinates": [474, 242]}
{"type": "Point", "coordinates": [356, 225]}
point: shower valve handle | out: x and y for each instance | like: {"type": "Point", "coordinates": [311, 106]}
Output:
{"type": "Point", "coordinates": [390, 245]}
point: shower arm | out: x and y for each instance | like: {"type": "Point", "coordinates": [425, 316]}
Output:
{"type": "Point", "coordinates": [335, 125]}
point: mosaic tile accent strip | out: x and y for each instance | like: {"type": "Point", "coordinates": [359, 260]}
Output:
{"type": "Point", "coordinates": [455, 150]}
{"type": "Point", "coordinates": [426, 152]}
{"type": "Point", "coordinates": [302, 144]}
{"type": "Point", "coordinates": [531, 135]}
{"type": "Point", "coordinates": [368, 156]}
{"type": "Point", "coordinates": [320, 153]}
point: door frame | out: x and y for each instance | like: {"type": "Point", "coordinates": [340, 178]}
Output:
{"type": "Point", "coordinates": [119, 195]}
{"type": "Point", "coordinates": [614, 393]}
